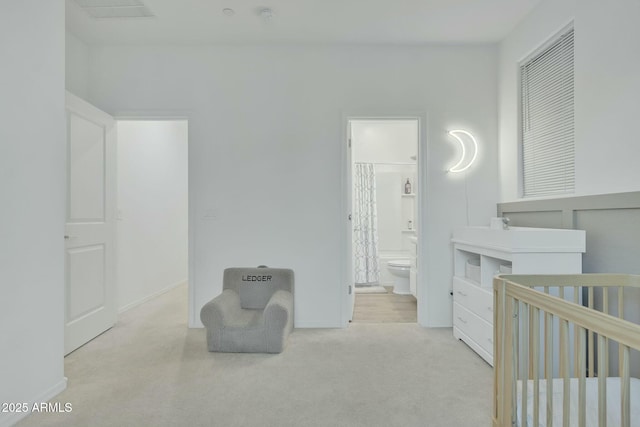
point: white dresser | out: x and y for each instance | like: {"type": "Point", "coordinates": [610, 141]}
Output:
{"type": "Point", "coordinates": [479, 253]}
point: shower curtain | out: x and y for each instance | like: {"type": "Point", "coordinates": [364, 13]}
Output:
{"type": "Point", "coordinates": [365, 225]}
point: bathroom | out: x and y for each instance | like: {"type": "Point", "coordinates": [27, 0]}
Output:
{"type": "Point", "coordinates": [385, 211]}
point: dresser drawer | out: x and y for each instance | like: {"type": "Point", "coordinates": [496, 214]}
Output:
{"type": "Point", "coordinates": [473, 298]}
{"type": "Point", "coordinates": [474, 327]}
{"type": "Point", "coordinates": [485, 337]}
{"type": "Point", "coordinates": [464, 320]}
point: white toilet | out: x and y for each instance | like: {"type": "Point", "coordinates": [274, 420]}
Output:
{"type": "Point", "coordinates": [400, 269]}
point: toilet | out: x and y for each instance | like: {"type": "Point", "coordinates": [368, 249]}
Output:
{"type": "Point", "coordinates": [400, 269]}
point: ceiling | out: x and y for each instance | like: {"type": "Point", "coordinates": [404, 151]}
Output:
{"type": "Point", "coordinates": [304, 21]}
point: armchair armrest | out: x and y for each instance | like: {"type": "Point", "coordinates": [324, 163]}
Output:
{"type": "Point", "coordinates": [278, 312]}
{"type": "Point", "coordinates": [221, 308]}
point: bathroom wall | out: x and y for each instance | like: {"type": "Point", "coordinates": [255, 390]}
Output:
{"type": "Point", "coordinates": [395, 209]}
{"type": "Point", "coordinates": [389, 141]}
{"type": "Point", "coordinates": [394, 212]}
{"type": "Point", "coordinates": [390, 144]}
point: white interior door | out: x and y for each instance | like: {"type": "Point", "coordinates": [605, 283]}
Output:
{"type": "Point", "coordinates": [90, 225]}
{"type": "Point", "coordinates": [349, 161]}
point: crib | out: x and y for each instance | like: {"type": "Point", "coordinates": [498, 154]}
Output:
{"type": "Point", "coordinates": [565, 350]}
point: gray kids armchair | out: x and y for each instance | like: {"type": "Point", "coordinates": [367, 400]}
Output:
{"type": "Point", "coordinates": [254, 312]}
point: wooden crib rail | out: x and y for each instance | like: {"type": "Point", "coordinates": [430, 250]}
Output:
{"type": "Point", "coordinates": [518, 310]}
{"type": "Point", "coordinates": [581, 280]}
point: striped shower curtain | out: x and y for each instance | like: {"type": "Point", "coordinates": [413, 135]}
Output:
{"type": "Point", "coordinates": [365, 225]}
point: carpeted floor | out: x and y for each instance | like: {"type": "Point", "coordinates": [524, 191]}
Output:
{"type": "Point", "coordinates": [151, 370]}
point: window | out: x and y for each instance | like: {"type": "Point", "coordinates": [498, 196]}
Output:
{"type": "Point", "coordinates": [546, 120]}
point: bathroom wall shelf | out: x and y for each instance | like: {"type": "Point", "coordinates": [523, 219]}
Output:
{"type": "Point", "coordinates": [408, 214]}
{"type": "Point", "coordinates": [524, 250]}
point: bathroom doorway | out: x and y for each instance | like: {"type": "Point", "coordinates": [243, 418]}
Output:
{"type": "Point", "coordinates": [384, 196]}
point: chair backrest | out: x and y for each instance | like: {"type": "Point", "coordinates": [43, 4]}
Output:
{"type": "Point", "coordinates": [256, 285]}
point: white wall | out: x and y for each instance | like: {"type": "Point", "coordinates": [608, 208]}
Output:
{"type": "Point", "coordinates": [607, 89]}
{"type": "Point", "coordinates": [32, 192]}
{"type": "Point", "coordinates": [76, 66]}
{"type": "Point", "coordinates": [392, 141]}
{"type": "Point", "coordinates": [152, 209]}
{"type": "Point", "coordinates": [266, 140]}
{"type": "Point", "coordinates": [394, 211]}
{"type": "Point", "coordinates": [383, 142]}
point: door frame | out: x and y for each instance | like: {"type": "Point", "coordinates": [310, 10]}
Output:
{"type": "Point", "coordinates": [421, 199]}
{"type": "Point", "coordinates": [160, 115]}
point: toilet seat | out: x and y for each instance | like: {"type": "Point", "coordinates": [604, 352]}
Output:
{"type": "Point", "coordinates": [400, 263]}
{"type": "Point", "coordinates": [401, 270]}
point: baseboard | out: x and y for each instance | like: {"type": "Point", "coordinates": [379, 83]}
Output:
{"type": "Point", "coordinates": [298, 325]}
{"type": "Point", "coordinates": [149, 297]}
{"type": "Point", "coordinates": [47, 395]}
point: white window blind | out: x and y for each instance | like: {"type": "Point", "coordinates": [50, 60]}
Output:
{"type": "Point", "coordinates": [547, 120]}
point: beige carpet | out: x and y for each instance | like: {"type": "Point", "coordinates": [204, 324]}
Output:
{"type": "Point", "coordinates": [150, 370]}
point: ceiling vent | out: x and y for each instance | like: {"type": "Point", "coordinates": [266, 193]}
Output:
{"type": "Point", "coordinates": [110, 9]}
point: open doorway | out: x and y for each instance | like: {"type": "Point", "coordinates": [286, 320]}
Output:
{"type": "Point", "coordinates": [152, 209]}
{"type": "Point", "coordinates": [384, 191]}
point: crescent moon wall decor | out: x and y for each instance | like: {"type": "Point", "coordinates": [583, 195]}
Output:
{"type": "Point", "coordinates": [468, 156]}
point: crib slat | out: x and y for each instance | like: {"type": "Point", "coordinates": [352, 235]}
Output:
{"type": "Point", "coordinates": [563, 343]}
{"type": "Point", "coordinates": [625, 388]}
{"type": "Point", "coordinates": [536, 365]}
{"type": "Point", "coordinates": [507, 325]}
{"type": "Point", "coordinates": [591, 338]}
{"type": "Point", "coordinates": [498, 305]}
{"type": "Point", "coordinates": [564, 368]}
{"type": "Point", "coordinates": [582, 389]}
{"type": "Point", "coordinates": [602, 382]}
{"type": "Point", "coordinates": [605, 304]}
{"type": "Point", "coordinates": [532, 337]}
{"type": "Point", "coordinates": [562, 334]}
{"type": "Point", "coordinates": [576, 343]}
{"type": "Point", "coordinates": [515, 340]}
{"type": "Point", "coordinates": [498, 289]}
{"type": "Point", "coordinates": [524, 355]}
{"type": "Point", "coordinates": [620, 316]}
{"type": "Point", "coordinates": [548, 365]}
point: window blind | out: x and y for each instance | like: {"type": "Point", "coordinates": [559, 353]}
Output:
{"type": "Point", "coordinates": [547, 113]}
